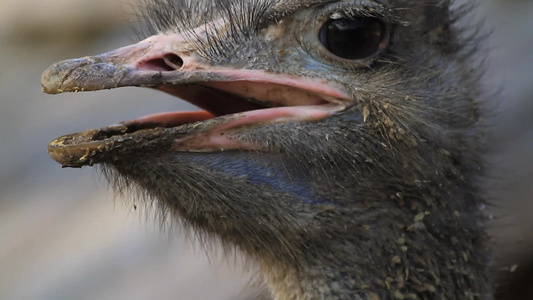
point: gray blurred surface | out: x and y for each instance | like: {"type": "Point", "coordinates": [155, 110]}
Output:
{"type": "Point", "coordinates": [63, 234]}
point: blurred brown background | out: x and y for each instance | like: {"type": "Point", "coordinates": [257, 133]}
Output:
{"type": "Point", "coordinates": [64, 235]}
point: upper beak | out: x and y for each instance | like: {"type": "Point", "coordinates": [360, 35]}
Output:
{"type": "Point", "coordinates": [170, 63]}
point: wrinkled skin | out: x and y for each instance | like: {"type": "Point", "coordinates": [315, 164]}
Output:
{"type": "Point", "coordinates": [360, 180]}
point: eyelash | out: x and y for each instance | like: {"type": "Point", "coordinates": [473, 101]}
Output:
{"type": "Point", "coordinates": [364, 9]}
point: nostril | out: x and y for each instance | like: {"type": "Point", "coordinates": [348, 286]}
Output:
{"type": "Point", "coordinates": [174, 61]}
{"type": "Point", "coordinates": [169, 62]}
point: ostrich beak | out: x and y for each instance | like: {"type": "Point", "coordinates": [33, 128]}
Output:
{"type": "Point", "coordinates": [233, 99]}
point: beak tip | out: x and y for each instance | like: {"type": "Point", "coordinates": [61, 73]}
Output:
{"type": "Point", "coordinates": [51, 79]}
{"type": "Point", "coordinates": [82, 74]}
{"type": "Point", "coordinates": [61, 76]}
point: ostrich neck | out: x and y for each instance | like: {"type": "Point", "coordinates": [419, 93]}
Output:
{"type": "Point", "coordinates": [390, 254]}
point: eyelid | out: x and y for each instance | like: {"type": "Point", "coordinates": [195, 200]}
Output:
{"type": "Point", "coordinates": [364, 8]}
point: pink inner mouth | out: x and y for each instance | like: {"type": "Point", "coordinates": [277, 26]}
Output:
{"type": "Point", "coordinates": [224, 98]}
{"type": "Point", "coordinates": [243, 104]}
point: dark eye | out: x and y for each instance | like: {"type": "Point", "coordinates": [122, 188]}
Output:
{"type": "Point", "coordinates": [353, 38]}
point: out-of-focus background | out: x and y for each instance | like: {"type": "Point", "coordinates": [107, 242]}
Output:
{"type": "Point", "coordinates": [64, 235]}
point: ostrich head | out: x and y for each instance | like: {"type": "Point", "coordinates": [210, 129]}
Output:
{"type": "Point", "coordinates": [338, 145]}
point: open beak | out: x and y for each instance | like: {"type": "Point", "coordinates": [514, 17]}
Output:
{"type": "Point", "coordinates": [233, 100]}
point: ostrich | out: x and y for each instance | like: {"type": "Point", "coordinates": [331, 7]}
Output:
{"type": "Point", "coordinates": [339, 146]}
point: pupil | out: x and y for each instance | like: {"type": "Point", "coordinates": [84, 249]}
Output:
{"type": "Point", "coordinates": [352, 38]}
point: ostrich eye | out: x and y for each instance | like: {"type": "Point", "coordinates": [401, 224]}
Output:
{"type": "Point", "coordinates": [353, 38]}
